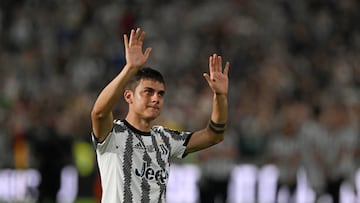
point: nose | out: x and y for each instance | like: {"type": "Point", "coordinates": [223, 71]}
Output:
{"type": "Point", "coordinates": [156, 98]}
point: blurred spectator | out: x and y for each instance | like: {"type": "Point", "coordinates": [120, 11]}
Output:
{"type": "Point", "coordinates": [312, 138]}
{"type": "Point", "coordinates": [52, 153]}
{"type": "Point", "coordinates": [284, 150]}
{"type": "Point", "coordinates": [339, 148]}
{"type": "Point", "coordinates": [216, 164]}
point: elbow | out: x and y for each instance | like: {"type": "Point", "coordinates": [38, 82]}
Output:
{"type": "Point", "coordinates": [216, 141]}
{"type": "Point", "coordinates": [97, 114]}
{"type": "Point", "coordinates": [217, 138]}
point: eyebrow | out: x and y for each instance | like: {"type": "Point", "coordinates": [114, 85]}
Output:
{"type": "Point", "coordinates": [162, 92]}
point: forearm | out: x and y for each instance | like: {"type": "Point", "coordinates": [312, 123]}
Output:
{"type": "Point", "coordinates": [110, 95]}
{"type": "Point", "coordinates": [218, 120]}
{"type": "Point", "coordinates": [219, 108]}
{"type": "Point", "coordinates": [207, 137]}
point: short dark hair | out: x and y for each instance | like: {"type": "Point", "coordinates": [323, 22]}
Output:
{"type": "Point", "coordinates": [145, 73]}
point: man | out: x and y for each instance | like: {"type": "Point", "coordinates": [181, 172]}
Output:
{"type": "Point", "coordinates": [133, 156]}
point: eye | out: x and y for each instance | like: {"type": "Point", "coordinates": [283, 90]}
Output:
{"type": "Point", "coordinates": [149, 91]}
{"type": "Point", "coordinates": [161, 93]}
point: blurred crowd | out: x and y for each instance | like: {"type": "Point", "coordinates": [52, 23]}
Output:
{"type": "Point", "coordinates": [294, 77]}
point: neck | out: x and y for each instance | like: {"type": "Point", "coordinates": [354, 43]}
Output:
{"type": "Point", "coordinates": [139, 123]}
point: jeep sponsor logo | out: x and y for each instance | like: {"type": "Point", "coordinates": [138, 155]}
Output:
{"type": "Point", "coordinates": [150, 174]}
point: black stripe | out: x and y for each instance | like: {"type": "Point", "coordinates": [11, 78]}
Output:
{"type": "Point", "coordinates": [166, 142]}
{"type": "Point", "coordinates": [145, 186]}
{"type": "Point", "coordinates": [162, 165]}
{"type": "Point", "coordinates": [127, 169]}
{"type": "Point", "coordinates": [187, 139]}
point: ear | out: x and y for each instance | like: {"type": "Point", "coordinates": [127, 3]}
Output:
{"type": "Point", "coordinates": [128, 96]}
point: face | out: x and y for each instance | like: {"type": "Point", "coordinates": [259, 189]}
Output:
{"type": "Point", "coordinates": [147, 100]}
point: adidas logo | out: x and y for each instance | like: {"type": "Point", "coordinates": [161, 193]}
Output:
{"type": "Point", "coordinates": [139, 146]}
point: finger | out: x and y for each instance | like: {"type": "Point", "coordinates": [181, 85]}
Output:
{"type": "Point", "coordinates": [215, 61]}
{"type": "Point", "coordinates": [210, 64]}
{"type": "Point", "coordinates": [226, 69]}
{"type": "Point", "coordinates": [207, 77]}
{"type": "Point", "coordinates": [126, 41]}
{"type": "Point", "coordinates": [213, 64]}
{"type": "Point", "coordinates": [137, 34]}
{"type": "Point", "coordinates": [219, 64]}
{"type": "Point", "coordinates": [147, 52]}
{"type": "Point", "coordinates": [132, 36]}
{"type": "Point", "coordinates": [141, 38]}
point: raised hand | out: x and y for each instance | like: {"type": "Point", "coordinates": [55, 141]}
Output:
{"type": "Point", "coordinates": [218, 78]}
{"type": "Point", "coordinates": [133, 48]}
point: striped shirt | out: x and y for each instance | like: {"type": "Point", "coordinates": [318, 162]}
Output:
{"type": "Point", "coordinates": [134, 165]}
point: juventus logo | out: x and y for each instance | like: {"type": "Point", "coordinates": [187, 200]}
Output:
{"type": "Point", "coordinates": [163, 149]}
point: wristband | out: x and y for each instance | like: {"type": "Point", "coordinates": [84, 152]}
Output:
{"type": "Point", "coordinates": [217, 125]}
{"type": "Point", "coordinates": [218, 128]}
{"type": "Point", "coordinates": [216, 131]}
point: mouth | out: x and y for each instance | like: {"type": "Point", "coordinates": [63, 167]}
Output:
{"type": "Point", "coordinates": [154, 107]}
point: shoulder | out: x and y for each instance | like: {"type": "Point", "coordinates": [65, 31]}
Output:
{"type": "Point", "coordinates": [175, 134]}
{"type": "Point", "coordinates": [119, 126]}
{"type": "Point", "coordinates": [162, 129]}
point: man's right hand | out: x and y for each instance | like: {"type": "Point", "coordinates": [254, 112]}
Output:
{"type": "Point", "coordinates": [133, 49]}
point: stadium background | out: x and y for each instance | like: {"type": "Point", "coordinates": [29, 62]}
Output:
{"type": "Point", "coordinates": [295, 70]}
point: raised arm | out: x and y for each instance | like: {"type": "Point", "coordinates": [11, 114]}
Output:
{"type": "Point", "coordinates": [219, 83]}
{"type": "Point", "coordinates": [101, 114]}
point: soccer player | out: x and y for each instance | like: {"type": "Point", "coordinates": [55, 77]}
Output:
{"type": "Point", "coordinates": [133, 155]}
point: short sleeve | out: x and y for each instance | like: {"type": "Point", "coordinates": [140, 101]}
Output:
{"type": "Point", "coordinates": [178, 141]}
{"type": "Point", "coordinates": [101, 147]}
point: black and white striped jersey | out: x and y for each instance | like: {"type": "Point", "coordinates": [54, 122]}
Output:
{"type": "Point", "coordinates": [134, 165]}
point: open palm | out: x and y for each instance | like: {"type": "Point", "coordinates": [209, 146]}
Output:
{"type": "Point", "coordinates": [133, 48]}
{"type": "Point", "coordinates": [218, 78]}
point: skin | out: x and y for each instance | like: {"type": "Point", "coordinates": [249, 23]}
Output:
{"type": "Point", "coordinates": [146, 101]}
